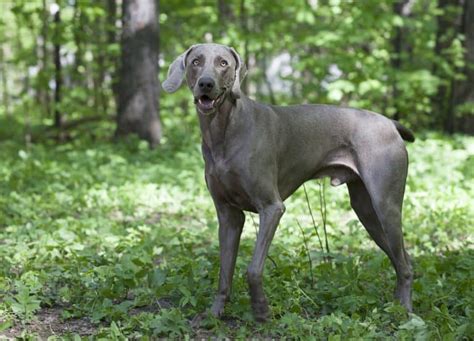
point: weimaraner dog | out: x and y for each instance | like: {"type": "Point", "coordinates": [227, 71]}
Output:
{"type": "Point", "coordinates": [256, 155]}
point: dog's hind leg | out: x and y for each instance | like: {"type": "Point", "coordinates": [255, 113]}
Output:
{"type": "Point", "coordinates": [381, 216]}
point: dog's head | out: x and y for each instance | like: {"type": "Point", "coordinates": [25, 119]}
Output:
{"type": "Point", "coordinates": [212, 71]}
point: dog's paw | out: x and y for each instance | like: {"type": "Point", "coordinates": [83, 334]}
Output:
{"type": "Point", "coordinates": [261, 311]}
{"type": "Point", "coordinates": [217, 309]}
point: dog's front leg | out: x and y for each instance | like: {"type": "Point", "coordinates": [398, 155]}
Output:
{"type": "Point", "coordinates": [269, 219]}
{"type": "Point", "coordinates": [231, 222]}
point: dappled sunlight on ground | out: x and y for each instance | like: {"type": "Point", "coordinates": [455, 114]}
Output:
{"type": "Point", "coordinates": [118, 240]}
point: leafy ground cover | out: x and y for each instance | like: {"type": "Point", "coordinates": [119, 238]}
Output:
{"type": "Point", "coordinates": [102, 240]}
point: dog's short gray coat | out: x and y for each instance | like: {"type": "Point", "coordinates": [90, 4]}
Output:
{"type": "Point", "coordinates": [256, 155]}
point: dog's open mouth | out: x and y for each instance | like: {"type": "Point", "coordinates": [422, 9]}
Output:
{"type": "Point", "coordinates": [206, 104]}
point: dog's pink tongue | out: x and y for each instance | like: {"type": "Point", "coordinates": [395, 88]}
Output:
{"type": "Point", "coordinates": [206, 103]}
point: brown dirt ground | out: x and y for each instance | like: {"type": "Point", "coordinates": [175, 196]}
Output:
{"type": "Point", "coordinates": [48, 322]}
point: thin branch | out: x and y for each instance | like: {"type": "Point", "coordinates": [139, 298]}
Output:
{"type": "Point", "coordinates": [323, 211]}
{"type": "Point", "coordinates": [67, 125]}
{"type": "Point", "coordinates": [310, 261]}
{"type": "Point", "coordinates": [312, 218]}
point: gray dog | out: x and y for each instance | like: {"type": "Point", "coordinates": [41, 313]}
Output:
{"type": "Point", "coordinates": [257, 155]}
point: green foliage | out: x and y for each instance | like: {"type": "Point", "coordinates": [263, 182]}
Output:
{"type": "Point", "coordinates": [88, 58]}
{"type": "Point", "coordinates": [127, 240]}
{"type": "Point", "coordinates": [357, 37]}
{"type": "Point", "coordinates": [339, 52]}
{"type": "Point", "coordinates": [24, 303]}
{"type": "Point", "coordinates": [124, 240]}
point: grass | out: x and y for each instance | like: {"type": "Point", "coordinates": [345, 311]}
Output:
{"type": "Point", "coordinates": [102, 240]}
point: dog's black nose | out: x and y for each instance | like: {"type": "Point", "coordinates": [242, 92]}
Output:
{"type": "Point", "coordinates": [206, 84]}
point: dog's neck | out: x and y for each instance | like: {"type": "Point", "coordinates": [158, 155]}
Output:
{"type": "Point", "coordinates": [214, 126]}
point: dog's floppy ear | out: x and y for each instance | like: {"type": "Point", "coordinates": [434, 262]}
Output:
{"type": "Point", "coordinates": [176, 72]}
{"type": "Point", "coordinates": [240, 73]}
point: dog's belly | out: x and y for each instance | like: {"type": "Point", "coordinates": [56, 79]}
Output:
{"type": "Point", "coordinates": [338, 164]}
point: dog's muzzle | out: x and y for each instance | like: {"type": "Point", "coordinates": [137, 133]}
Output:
{"type": "Point", "coordinates": [206, 104]}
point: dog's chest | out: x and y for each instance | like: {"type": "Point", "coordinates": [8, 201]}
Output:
{"type": "Point", "coordinates": [226, 173]}
{"type": "Point", "coordinates": [227, 178]}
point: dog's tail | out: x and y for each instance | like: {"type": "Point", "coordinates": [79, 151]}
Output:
{"type": "Point", "coordinates": [404, 132]}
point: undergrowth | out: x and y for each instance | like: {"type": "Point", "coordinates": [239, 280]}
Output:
{"type": "Point", "coordinates": [126, 239]}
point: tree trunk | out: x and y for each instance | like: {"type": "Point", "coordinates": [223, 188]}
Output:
{"type": "Point", "coordinates": [100, 67]}
{"type": "Point", "coordinates": [448, 27]}
{"type": "Point", "coordinates": [112, 38]}
{"type": "Point", "coordinates": [44, 73]}
{"type": "Point", "coordinates": [79, 22]}
{"type": "Point", "coordinates": [58, 117]}
{"type": "Point", "coordinates": [25, 81]}
{"type": "Point", "coordinates": [138, 109]}
{"type": "Point", "coordinates": [245, 29]}
{"type": "Point", "coordinates": [402, 8]}
{"type": "Point", "coordinates": [111, 18]}
{"type": "Point", "coordinates": [225, 16]}
{"type": "Point", "coordinates": [271, 93]}
{"type": "Point", "coordinates": [3, 69]}
{"type": "Point", "coordinates": [463, 91]}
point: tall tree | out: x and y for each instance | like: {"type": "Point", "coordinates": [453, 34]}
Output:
{"type": "Point", "coordinates": [401, 8]}
{"type": "Point", "coordinates": [449, 23]}
{"type": "Point", "coordinates": [112, 38]}
{"type": "Point", "coordinates": [44, 73]}
{"type": "Point", "coordinates": [463, 92]}
{"type": "Point", "coordinates": [244, 26]}
{"type": "Point", "coordinates": [3, 70]}
{"type": "Point", "coordinates": [138, 110]}
{"type": "Point", "coordinates": [58, 117]}
{"type": "Point", "coordinates": [225, 15]}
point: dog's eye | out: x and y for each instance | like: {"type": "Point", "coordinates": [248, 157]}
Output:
{"type": "Point", "coordinates": [224, 63]}
{"type": "Point", "coordinates": [195, 62]}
